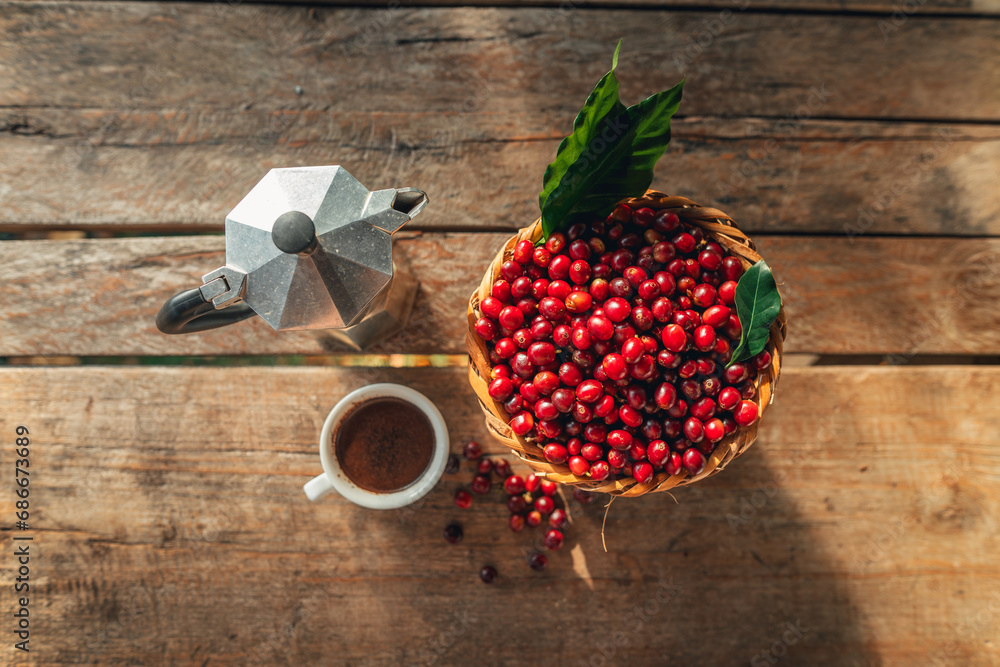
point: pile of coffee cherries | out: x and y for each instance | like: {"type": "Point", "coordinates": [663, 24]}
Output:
{"type": "Point", "coordinates": [532, 502]}
{"type": "Point", "coordinates": [610, 346]}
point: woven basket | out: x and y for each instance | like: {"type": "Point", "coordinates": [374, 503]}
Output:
{"type": "Point", "coordinates": [723, 230]}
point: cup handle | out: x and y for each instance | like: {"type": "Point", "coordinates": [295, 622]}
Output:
{"type": "Point", "coordinates": [317, 487]}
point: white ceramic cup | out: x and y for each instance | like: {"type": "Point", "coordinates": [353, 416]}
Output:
{"type": "Point", "coordinates": [334, 479]}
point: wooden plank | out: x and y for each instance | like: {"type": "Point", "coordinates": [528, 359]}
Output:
{"type": "Point", "coordinates": [169, 524]}
{"type": "Point", "coordinates": [186, 169]}
{"type": "Point", "coordinates": [225, 57]}
{"type": "Point", "coordinates": [950, 7]}
{"type": "Point", "coordinates": [863, 295]}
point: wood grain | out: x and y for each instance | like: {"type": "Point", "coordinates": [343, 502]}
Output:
{"type": "Point", "coordinates": [226, 57]}
{"type": "Point", "coordinates": [861, 295]}
{"type": "Point", "coordinates": [170, 525]}
{"type": "Point", "coordinates": [184, 170]}
{"type": "Point", "coordinates": [952, 7]}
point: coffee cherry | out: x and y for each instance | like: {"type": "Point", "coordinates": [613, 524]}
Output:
{"type": "Point", "coordinates": [485, 466]}
{"type": "Point", "coordinates": [531, 483]}
{"type": "Point", "coordinates": [516, 523]}
{"type": "Point", "coordinates": [684, 242]}
{"type": "Point", "coordinates": [710, 260]}
{"type": "Point", "coordinates": [500, 389]}
{"type": "Point", "coordinates": [716, 316]}
{"type": "Point", "coordinates": [553, 540]}
{"type": "Point", "coordinates": [542, 354]}
{"type": "Point", "coordinates": [733, 328]}
{"type": "Point", "coordinates": [451, 467]}
{"type": "Point", "coordinates": [714, 430]}
{"type": "Point", "coordinates": [481, 484]}
{"type": "Point", "coordinates": [463, 499]}
{"type": "Point", "coordinates": [453, 533]}
{"type": "Point", "coordinates": [746, 413]}
{"type": "Point", "coordinates": [762, 361]}
{"type": "Point", "coordinates": [578, 465]}
{"type": "Point", "coordinates": [703, 409]}
{"type": "Point", "coordinates": [614, 366]}
{"type": "Point", "coordinates": [691, 389]}
{"type": "Point", "coordinates": [704, 338]}
{"type": "Point", "coordinates": [731, 269]}
{"type": "Point", "coordinates": [559, 267]}
{"type": "Point", "coordinates": [556, 453]}
{"type": "Point", "coordinates": [657, 452]}
{"type": "Point", "coordinates": [727, 292]}
{"type": "Point", "coordinates": [533, 518]}
{"type": "Point", "coordinates": [674, 338]}
{"type": "Point", "coordinates": [521, 423]}
{"type": "Point", "coordinates": [600, 327]}
{"type": "Point", "coordinates": [491, 307]}
{"type": "Point", "coordinates": [544, 505]}
{"type": "Point", "coordinates": [516, 504]}
{"type": "Point", "coordinates": [599, 470]}
{"type": "Point", "coordinates": [505, 348]}
{"type": "Point", "coordinates": [485, 328]}
{"type": "Point", "coordinates": [511, 318]}
{"type": "Point", "coordinates": [488, 574]}
{"type": "Point", "coordinates": [729, 424]}
{"type": "Point", "coordinates": [694, 430]}
{"type": "Point", "coordinates": [729, 398]}
{"type": "Point", "coordinates": [711, 386]}
{"type": "Point", "coordinates": [674, 464]}
{"type": "Point", "coordinates": [620, 440]}
{"type": "Point", "coordinates": [556, 243]}
{"type": "Point", "coordinates": [703, 295]}
{"type": "Point", "coordinates": [694, 461]}
{"type": "Point", "coordinates": [472, 450]}
{"type": "Point", "coordinates": [736, 373]}
{"type": "Point", "coordinates": [513, 404]}
{"type": "Point", "coordinates": [589, 391]}
{"type": "Point", "coordinates": [679, 409]}
{"type": "Point", "coordinates": [548, 487]}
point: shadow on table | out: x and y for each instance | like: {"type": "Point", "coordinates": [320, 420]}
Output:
{"type": "Point", "coordinates": [731, 574]}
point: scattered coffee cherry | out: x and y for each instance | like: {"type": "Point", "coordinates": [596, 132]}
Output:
{"type": "Point", "coordinates": [502, 468]}
{"type": "Point", "coordinates": [451, 467]}
{"type": "Point", "coordinates": [558, 518]}
{"type": "Point", "coordinates": [481, 484]}
{"type": "Point", "coordinates": [453, 533]}
{"type": "Point", "coordinates": [553, 540]}
{"type": "Point", "coordinates": [517, 504]}
{"type": "Point", "coordinates": [533, 518]}
{"type": "Point", "coordinates": [514, 485]}
{"type": "Point", "coordinates": [544, 505]}
{"type": "Point", "coordinates": [472, 450]}
{"type": "Point", "coordinates": [488, 574]}
{"type": "Point", "coordinates": [463, 499]}
{"type": "Point", "coordinates": [516, 523]}
{"type": "Point", "coordinates": [485, 466]}
{"type": "Point", "coordinates": [531, 483]}
{"type": "Point", "coordinates": [548, 487]}
{"type": "Point", "coordinates": [537, 561]}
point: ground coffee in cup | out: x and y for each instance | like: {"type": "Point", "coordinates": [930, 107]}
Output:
{"type": "Point", "coordinates": [384, 444]}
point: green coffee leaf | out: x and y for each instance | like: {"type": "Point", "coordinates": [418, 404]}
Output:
{"type": "Point", "coordinates": [609, 156]}
{"type": "Point", "coordinates": [757, 304]}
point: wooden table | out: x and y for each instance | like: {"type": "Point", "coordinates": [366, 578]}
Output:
{"type": "Point", "coordinates": [857, 140]}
